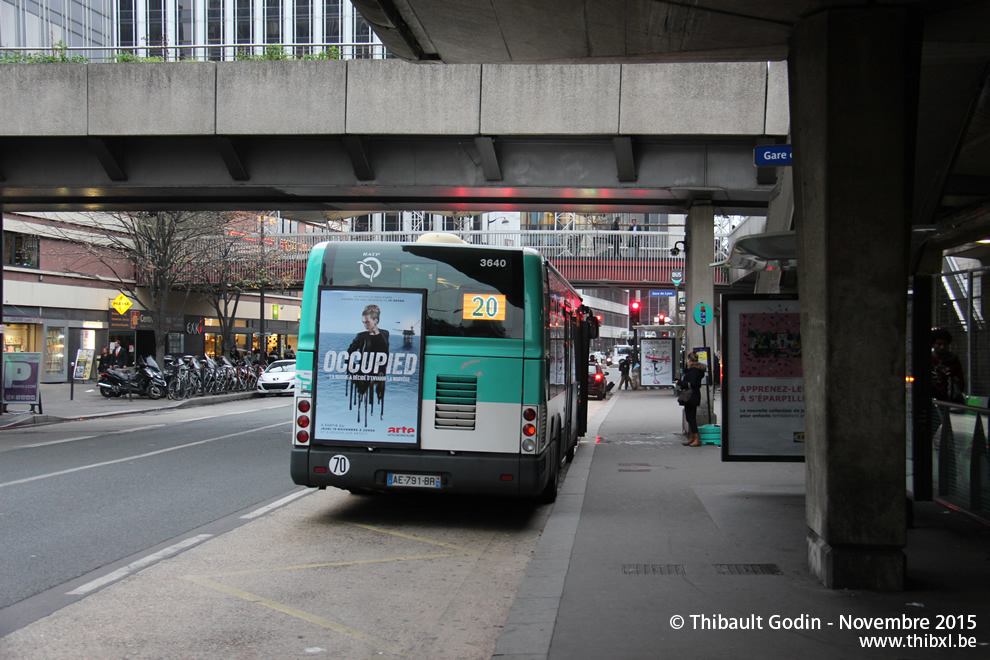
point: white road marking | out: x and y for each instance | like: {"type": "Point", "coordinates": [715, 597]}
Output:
{"type": "Point", "coordinates": [274, 505]}
{"type": "Point", "coordinates": [131, 458]}
{"type": "Point", "coordinates": [54, 442]}
{"type": "Point", "coordinates": [135, 566]}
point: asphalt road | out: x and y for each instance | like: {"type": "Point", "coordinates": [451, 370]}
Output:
{"type": "Point", "coordinates": [81, 495]}
{"type": "Point", "coordinates": [148, 536]}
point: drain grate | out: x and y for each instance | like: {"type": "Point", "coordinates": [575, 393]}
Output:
{"type": "Point", "coordinates": [634, 469]}
{"type": "Point", "coordinates": [653, 569]}
{"type": "Point", "coordinates": [747, 569]}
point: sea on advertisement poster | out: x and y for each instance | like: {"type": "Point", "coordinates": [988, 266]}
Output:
{"type": "Point", "coordinates": [367, 369]}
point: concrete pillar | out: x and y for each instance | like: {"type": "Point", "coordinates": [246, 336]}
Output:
{"type": "Point", "coordinates": [853, 76]}
{"type": "Point", "coordinates": [699, 280]}
{"type": "Point", "coordinates": [699, 285]}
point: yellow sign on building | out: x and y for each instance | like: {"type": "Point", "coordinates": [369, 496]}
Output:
{"type": "Point", "coordinates": [121, 303]}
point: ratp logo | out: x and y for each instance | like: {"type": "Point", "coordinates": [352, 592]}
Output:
{"type": "Point", "coordinates": [370, 268]}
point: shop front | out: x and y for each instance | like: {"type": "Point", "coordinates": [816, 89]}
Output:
{"type": "Point", "coordinates": [135, 332]}
{"type": "Point", "coordinates": [57, 340]}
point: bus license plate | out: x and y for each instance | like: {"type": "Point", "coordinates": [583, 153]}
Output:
{"type": "Point", "coordinates": [415, 480]}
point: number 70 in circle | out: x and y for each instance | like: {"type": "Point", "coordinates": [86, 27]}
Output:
{"type": "Point", "coordinates": [484, 307]}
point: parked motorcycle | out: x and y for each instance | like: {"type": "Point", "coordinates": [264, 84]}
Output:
{"type": "Point", "coordinates": [146, 380]}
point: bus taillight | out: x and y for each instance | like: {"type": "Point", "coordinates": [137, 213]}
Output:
{"type": "Point", "coordinates": [529, 430]}
{"type": "Point", "coordinates": [529, 414]}
{"type": "Point", "coordinates": [302, 437]}
{"type": "Point", "coordinates": [302, 421]}
{"type": "Point", "coordinates": [302, 405]}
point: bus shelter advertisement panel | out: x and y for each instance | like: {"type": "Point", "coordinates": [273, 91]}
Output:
{"type": "Point", "coordinates": [657, 360]}
{"type": "Point", "coordinates": [369, 355]}
{"type": "Point", "coordinates": [763, 386]}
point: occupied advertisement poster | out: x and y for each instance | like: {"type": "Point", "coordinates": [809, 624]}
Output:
{"type": "Point", "coordinates": [763, 379]}
{"type": "Point", "coordinates": [367, 372]}
{"type": "Point", "coordinates": [22, 378]}
{"type": "Point", "coordinates": [657, 360]}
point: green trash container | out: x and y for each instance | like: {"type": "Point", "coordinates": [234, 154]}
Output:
{"type": "Point", "coordinates": [711, 434]}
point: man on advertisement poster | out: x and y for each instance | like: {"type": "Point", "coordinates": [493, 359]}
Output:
{"type": "Point", "coordinates": [372, 347]}
{"type": "Point", "coordinates": [354, 373]}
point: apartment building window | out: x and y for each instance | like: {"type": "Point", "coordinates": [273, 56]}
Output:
{"type": "Point", "coordinates": [273, 22]}
{"type": "Point", "coordinates": [304, 27]}
{"type": "Point", "coordinates": [362, 35]}
{"type": "Point", "coordinates": [21, 250]}
{"type": "Point", "coordinates": [331, 21]}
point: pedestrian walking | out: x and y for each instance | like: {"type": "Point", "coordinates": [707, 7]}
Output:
{"type": "Point", "coordinates": [624, 382]}
{"type": "Point", "coordinates": [948, 380]}
{"type": "Point", "coordinates": [692, 377]}
{"type": "Point", "coordinates": [634, 240]}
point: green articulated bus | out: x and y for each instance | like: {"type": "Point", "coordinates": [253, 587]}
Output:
{"type": "Point", "coordinates": [438, 366]}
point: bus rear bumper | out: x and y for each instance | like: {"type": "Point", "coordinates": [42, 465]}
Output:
{"type": "Point", "coordinates": [507, 475]}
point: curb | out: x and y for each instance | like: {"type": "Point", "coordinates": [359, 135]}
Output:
{"type": "Point", "coordinates": [39, 420]}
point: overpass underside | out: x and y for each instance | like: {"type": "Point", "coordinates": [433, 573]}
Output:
{"type": "Point", "coordinates": [384, 173]}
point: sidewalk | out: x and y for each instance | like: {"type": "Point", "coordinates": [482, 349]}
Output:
{"type": "Point", "coordinates": [81, 400]}
{"type": "Point", "coordinates": [653, 549]}
{"type": "Point", "coordinates": [659, 550]}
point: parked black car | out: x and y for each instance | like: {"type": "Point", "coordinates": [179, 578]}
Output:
{"type": "Point", "coordinates": [598, 386]}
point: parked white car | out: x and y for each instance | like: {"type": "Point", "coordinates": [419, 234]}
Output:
{"type": "Point", "coordinates": [278, 378]}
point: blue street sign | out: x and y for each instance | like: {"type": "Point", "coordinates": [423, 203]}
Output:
{"type": "Point", "coordinates": [703, 314]}
{"type": "Point", "coordinates": [776, 155]}
{"type": "Point", "coordinates": [662, 292]}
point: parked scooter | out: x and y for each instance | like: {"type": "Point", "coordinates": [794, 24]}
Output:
{"type": "Point", "coordinates": [146, 380]}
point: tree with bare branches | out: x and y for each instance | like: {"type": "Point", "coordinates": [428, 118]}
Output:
{"type": "Point", "coordinates": [236, 262]}
{"type": "Point", "coordinates": [163, 248]}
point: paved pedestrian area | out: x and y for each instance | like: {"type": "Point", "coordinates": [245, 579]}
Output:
{"type": "Point", "coordinates": [654, 549]}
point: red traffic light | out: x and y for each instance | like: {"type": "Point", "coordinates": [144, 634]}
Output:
{"type": "Point", "coordinates": [634, 305]}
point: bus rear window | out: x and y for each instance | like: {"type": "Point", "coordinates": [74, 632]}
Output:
{"type": "Point", "coordinates": [471, 291]}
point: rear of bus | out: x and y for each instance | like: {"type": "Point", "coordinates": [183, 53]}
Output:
{"type": "Point", "coordinates": [459, 403]}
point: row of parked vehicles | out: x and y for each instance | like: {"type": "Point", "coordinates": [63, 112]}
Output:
{"type": "Point", "coordinates": [190, 376]}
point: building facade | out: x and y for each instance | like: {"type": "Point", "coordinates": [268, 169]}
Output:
{"type": "Point", "coordinates": [188, 29]}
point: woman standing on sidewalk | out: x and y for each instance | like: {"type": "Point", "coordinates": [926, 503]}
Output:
{"type": "Point", "coordinates": [693, 376]}
{"type": "Point", "coordinates": [105, 361]}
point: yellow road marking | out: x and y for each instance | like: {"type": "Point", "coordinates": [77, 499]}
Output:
{"type": "Point", "coordinates": [298, 613]}
{"type": "Point", "coordinates": [357, 562]}
{"type": "Point", "coordinates": [410, 536]}
{"type": "Point", "coordinates": [318, 620]}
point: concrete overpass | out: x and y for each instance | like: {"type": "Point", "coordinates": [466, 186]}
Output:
{"type": "Point", "coordinates": [389, 135]}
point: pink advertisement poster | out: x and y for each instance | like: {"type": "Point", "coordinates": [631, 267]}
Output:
{"type": "Point", "coordinates": [763, 379]}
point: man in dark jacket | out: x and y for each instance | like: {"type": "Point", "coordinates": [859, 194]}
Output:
{"type": "Point", "coordinates": [119, 356]}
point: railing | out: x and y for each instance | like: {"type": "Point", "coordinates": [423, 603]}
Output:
{"type": "Point", "coordinates": [960, 452]}
{"type": "Point", "coordinates": [199, 52]}
{"type": "Point", "coordinates": [585, 258]}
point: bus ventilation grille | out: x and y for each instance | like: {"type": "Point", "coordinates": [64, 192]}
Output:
{"type": "Point", "coordinates": [457, 402]}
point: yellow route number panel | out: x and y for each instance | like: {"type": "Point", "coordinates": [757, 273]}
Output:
{"type": "Point", "coordinates": [484, 307]}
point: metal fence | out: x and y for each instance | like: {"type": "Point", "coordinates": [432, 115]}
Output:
{"type": "Point", "coordinates": [212, 52]}
{"type": "Point", "coordinates": [961, 469]}
{"type": "Point", "coordinates": [961, 456]}
{"type": "Point", "coordinates": [585, 258]}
